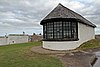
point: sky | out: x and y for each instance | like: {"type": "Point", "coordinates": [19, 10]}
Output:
{"type": "Point", "coordinates": [18, 16]}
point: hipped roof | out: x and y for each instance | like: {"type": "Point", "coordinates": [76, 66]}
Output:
{"type": "Point", "coordinates": [63, 12]}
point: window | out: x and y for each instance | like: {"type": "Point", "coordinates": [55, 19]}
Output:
{"type": "Point", "coordinates": [60, 31]}
{"type": "Point", "coordinates": [44, 31]}
{"type": "Point", "coordinates": [49, 30]}
{"type": "Point", "coordinates": [57, 30]}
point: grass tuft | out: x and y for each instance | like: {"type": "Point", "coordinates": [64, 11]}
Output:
{"type": "Point", "coordinates": [94, 43]}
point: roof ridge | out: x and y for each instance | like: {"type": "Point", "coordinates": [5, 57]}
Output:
{"type": "Point", "coordinates": [75, 13]}
{"type": "Point", "coordinates": [61, 11]}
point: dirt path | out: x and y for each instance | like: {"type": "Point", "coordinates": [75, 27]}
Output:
{"type": "Point", "coordinates": [77, 59]}
{"type": "Point", "coordinates": [69, 58]}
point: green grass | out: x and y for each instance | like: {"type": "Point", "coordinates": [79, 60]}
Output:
{"type": "Point", "coordinates": [94, 43]}
{"type": "Point", "coordinates": [19, 55]}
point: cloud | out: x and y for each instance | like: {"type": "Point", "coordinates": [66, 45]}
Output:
{"type": "Point", "coordinates": [17, 16]}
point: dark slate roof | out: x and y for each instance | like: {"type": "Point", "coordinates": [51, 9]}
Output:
{"type": "Point", "coordinates": [63, 12]}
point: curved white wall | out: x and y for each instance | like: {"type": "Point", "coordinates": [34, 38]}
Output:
{"type": "Point", "coordinates": [85, 33]}
{"type": "Point", "coordinates": [60, 45]}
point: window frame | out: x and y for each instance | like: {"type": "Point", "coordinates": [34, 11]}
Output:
{"type": "Point", "coordinates": [54, 38]}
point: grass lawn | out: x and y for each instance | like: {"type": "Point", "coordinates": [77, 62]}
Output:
{"type": "Point", "coordinates": [94, 43]}
{"type": "Point", "coordinates": [19, 55]}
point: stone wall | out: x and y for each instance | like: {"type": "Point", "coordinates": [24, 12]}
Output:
{"type": "Point", "coordinates": [17, 39]}
{"type": "Point", "coordinates": [3, 40]}
{"type": "Point", "coordinates": [12, 39]}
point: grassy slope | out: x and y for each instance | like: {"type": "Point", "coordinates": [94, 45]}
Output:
{"type": "Point", "coordinates": [94, 43]}
{"type": "Point", "coordinates": [19, 55]}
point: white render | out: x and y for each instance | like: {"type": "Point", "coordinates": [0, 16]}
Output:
{"type": "Point", "coordinates": [17, 39]}
{"type": "Point", "coordinates": [13, 39]}
{"type": "Point", "coordinates": [85, 33]}
{"type": "Point", "coordinates": [3, 41]}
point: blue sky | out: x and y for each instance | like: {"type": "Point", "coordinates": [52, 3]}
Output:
{"type": "Point", "coordinates": [17, 16]}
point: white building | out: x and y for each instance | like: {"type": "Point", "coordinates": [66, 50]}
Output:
{"type": "Point", "coordinates": [64, 29]}
{"type": "Point", "coordinates": [17, 38]}
{"type": "Point", "coordinates": [13, 39]}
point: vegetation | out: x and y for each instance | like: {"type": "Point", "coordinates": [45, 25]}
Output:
{"type": "Point", "coordinates": [94, 43]}
{"type": "Point", "coordinates": [19, 55]}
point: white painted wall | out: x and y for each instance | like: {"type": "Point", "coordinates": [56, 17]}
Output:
{"type": "Point", "coordinates": [85, 33]}
{"type": "Point", "coordinates": [17, 39]}
{"type": "Point", "coordinates": [3, 41]}
{"type": "Point", "coordinates": [13, 39]}
{"type": "Point", "coordinates": [60, 45]}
